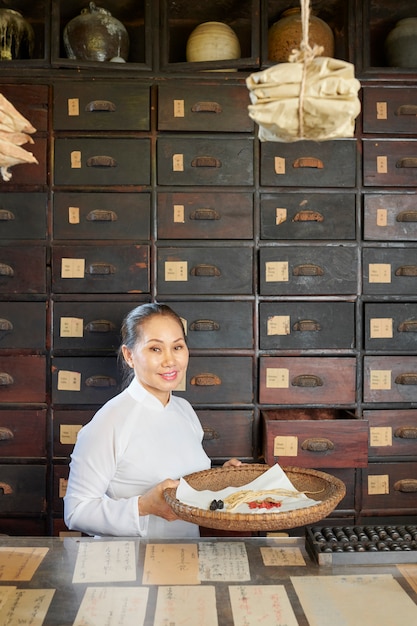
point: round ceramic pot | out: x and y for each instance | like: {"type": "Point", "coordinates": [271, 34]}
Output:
{"type": "Point", "coordinates": [16, 36]}
{"type": "Point", "coordinates": [401, 44]}
{"type": "Point", "coordinates": [212, 41]}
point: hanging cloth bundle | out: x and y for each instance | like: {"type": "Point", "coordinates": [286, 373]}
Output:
{"type": "Point", "coordinates": [310, 97]}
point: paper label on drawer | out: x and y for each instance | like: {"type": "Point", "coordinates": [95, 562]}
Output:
{"type": "Point", "coordinates": [277, 378]}
{"type": "Point", "coordinates": [71, 327]}
{"type": "Point", "coordinates": [179, 214]}
{"type": "Point", "coordinates": [279, 325]}
{"type": "Point", "coordinates": [381, 217]}
{"type": "Point", "coordinates": [72, 268]}
{"type": "Point", "coordinates": [276, 272]}
{"type": "Point", "coordinates": [178, 108]}
{"type": "Point", "coordinates": [381, 328]}
{"type": "Point", "coordinates": [63, 484]}
{"type": "Point", "coordinates": [73, 215]}
{"type": "Point", "coordinates": [379, 273]}
{"type": "Point", "coordinates": [176, 271]}
{"type": "Point", "coordinates": [69, 381]}
{"type": "Point", "coordinates": [382, 165]}
{"type": "Point", "coordinates": [178, 162]}
{"type": "Point", "coordinates": [279, 164]}
{"type": "Point", "coordinates": [381, 111]}
{"type": "Point", "coordinates": [380, 379]}
{"type": "Point", "coordinates": [280, 216]}
{"type": "Point", "coordinates": [378, 485]}
{"type": "Point", "coordinates": [285, 446]}
{"type": "Point", "coordinates": [76, 159]}
{"type": "Point", "coordinates": [380, 436]}
{"type": "Point", "coordinates": [68, 433]}
{"type": "Point", "coordinates": [73, 107]}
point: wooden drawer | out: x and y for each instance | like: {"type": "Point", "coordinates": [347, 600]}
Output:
{"type": "Point", "coordinates": [350, 478]}
{"type": "Point", "coordinates": [390, 162]}
{"type": "Point", "coordinates": [307, 325]}
{"type": "Point", "coordinates": [390, 379]}
{"type": "Point", "coordinates": [308, 216]}
{"type": "Point", "coordinates": [23, 527]}
{"type": "Point", "coordinates": [198, 107]}
{"type": "Point", "coordinates": [392, 110]}
{"type": "Point", "coordinates": [389, 217]}
{"type": "Point", "coordinates": [84, 380]}
{"type": "Point", "coordinates": [220, 215]}
{"type": "Point", "coordinates": [66, 425]}
{"type": "Point", "coordinates": [391, 326]}
{"type": "Point", "coordinates": [228, 434]}
{"type": "Point", "coordinates": [99, 105]}
{"type": "Point", "coordinates": [309, 163]}
{"type": "Point", "coordinates": [218, 380]}
{"type": "Point", "coordinates": [102, 161]}
{"type": "Point", "coordinates": [30, 173]}
{"type": "Point", "coordinates": [103, 269]}
{"type": "Point", "coordinates": [338, 442]}
{"type": "Point", "coordinates": [23, 433]}
{"type": "Point", "coordinates": [31, 101]}
{"type": "Point", "coordinates": [308, 270]}
{"type": "Point", "coordinates": [204, 161]}
{"type": "Point", "coordinates": [88, 326]}
{"type": "Point", "coordinates": [205, 270]}
{"type": "Point", "coordinates": [214, 325]}
{"type": "Point", "coordinates": [392, 433]}
{"type": "Point", "coordinates": [22, 489]}
{"type": "Point", "coordinates": [390, 488]}
{"type": "Point", "coordinates": [15, 332]}
{"type": "Point", "coordinates": [23, 215]}
{"type": "Point", "coordinates": [22, 269]}
{"type": "Point", "coordinates": [307, 380]}
{"type": "Point", "coordinates": [96, 216]}
{"type": "Point", "coordinates": [23, 378]}
{"type": "Point", "coordinates": [60, 482]}
{"type": "Point", "coordinates": [390, 271]}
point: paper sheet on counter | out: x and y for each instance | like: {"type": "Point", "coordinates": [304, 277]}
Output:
{"type": "Point", "coordinates": [274, 478]}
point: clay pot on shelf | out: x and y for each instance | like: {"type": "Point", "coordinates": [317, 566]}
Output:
{"type": "Point", "coordinates": [401, 44]}
{"type": "Point", "coordinates": [95, 35]}
{"type": "Point", "coordinates": [16, 36]}
{"type": "Point", "coordinates": [212, 41]}
{"type": "Point", "coordinates": [286, 34]}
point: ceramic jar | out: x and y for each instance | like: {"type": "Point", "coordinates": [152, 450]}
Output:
{"type": "Point", "coordinates": [95, 35]}
{"type": "Point", "coordinates": [212, 41]}
{"type": "Point", "coordinates": [286, 34]}
{"type": "Point", "coordinates": [401, 44]}
{"type": "Point", "coordinates": [16, 36]}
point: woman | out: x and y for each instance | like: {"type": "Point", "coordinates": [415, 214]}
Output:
{"type": "Point", "coordinates": [141, 441]}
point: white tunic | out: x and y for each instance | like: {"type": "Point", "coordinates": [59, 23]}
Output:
{"type": "Point", "coordinates": [132, 443]}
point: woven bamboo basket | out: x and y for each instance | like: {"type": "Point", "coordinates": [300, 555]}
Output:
{"type": "Point", "coordinates": [324, 488]}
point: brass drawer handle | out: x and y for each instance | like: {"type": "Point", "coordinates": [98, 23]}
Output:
{"type": "Point", "coordinates": [101, 269]}
{"type": "Point", "coordinates": [317, 445]}
{"type": "Point", "coordinates": [99, 326]}
{"type": "Point", "coordinates": [101, 160]}
{"type": "Point", "coordinates": [406, 270]}
{"type": "Point", "coordinates": [204, 214]}
{"type": "Point", "coordinates": [407, 109]}
{"type": "Point", "coordinates": [306, 326]}
{"type": "Point", "coordinates": [206, 161]}
{"type": "Point", "coordinates": [100, 381]}
{"type": "Point", "coordinates": [410, 378]}
{"type": "Point", "coordinates": [307, 380]}
{"type": "Point", "coordinates": [210, 434]}
{"type": "Point", "coordinates": [406, 432]}
{"type": "Point", "coordinates": [206, 107]}
{"type": "Point", "coordinates": [99, 215]}
{"type": "Point", "coordinates": [308, 162]}
{"type": "Point", "coordinates": [5, 489]}
{"type": "Point", "coordinates": [206, 380]}
{"type": "Point", "coordinates": [204, 325]}
{"type": "Point", "coordinates": [5, 434]}
{"type": "Point", "coordinates": [6, 216]}
{"type": "Point", "coordinates": [5, 325]}
{"type": "Point", "coordinates": [308, 269]}
{"type": "Point", "coordinates": [6, 379]}
{"type": "Point", "coordinates": [406, 485]}
{"type": "Point", "coordinates": [205, 270]}
{"type": "Point", "coordinates": [408, 326]}
{"type": "Point", "coordinates": [6, 270]}
{"type": "Point", "coordinates": [406, 163]}
{"type": "Point", "coordinates": [100, 105]}
{"type": "Point", "coordinates": [407, 216]}
{"type": "Point", "coordinates": [308, 216]}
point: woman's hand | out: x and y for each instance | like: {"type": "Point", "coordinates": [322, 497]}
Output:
{"type": "Point", "coordinates": [153, 502]}
{"type": "Point", "coordinates": [232, 463]}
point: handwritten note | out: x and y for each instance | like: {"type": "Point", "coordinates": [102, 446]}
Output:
{"type": "Point", "coordinates": [105, 561]}
{"type": "Point", "coordinates": [26, 607]}
{"type": "Point", "coordinates": [268, 605]}
{"type": "Point", "coordinates": [171, 564]}
{"type": "Point", "coordinates": [282, 556]}
{"type": "Point", "coordinates": [5, 593]}
{"type": "Point", "coordinates": [113, 606]}
{"type": "Point", "coordinates": [186, 605]}
{"type": "Point", "coordinates": [20, 563]}
{"type": "Point", "coordinates": [223, 561]}
{"type": "Point", "coordinates": [409, 571]}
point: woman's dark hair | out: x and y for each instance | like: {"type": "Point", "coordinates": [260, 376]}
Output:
{"type": "Point", "coordinates": [131, 329]}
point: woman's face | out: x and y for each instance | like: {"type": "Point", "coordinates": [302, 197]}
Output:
{"type": "Point", "coordinates": [159, 357]}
